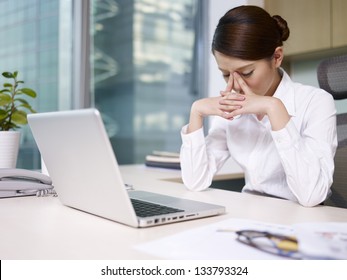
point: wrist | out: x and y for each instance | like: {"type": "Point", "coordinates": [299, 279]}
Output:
{"type": "Point", "coordinates": [194, 110]}
{"type": "Point", "coordinates": [196, 118]}
{"type": "Point", "coordinates": [277, 113]}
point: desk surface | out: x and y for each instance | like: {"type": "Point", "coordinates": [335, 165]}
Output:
{"type": "Point", "coordinates": [42, 228]}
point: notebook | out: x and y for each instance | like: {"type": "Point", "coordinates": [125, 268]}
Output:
{"type": "Point", "coordinates": [81, 162]}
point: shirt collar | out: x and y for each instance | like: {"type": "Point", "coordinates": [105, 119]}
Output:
{"type": "Point", "coordinates": [285, 92]}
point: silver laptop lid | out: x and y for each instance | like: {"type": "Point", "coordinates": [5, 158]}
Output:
{"type": "Point", "coordinates": [81, 162]}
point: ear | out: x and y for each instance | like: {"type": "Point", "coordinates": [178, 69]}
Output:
{"type": "Point", "coordinates": [278, 56]}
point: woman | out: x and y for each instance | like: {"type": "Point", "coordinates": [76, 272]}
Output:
{"type": "Point", "coordinates": [281, 133]}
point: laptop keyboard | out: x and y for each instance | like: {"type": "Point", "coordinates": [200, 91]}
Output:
{"type": "Point", "coordinates": [147, 209]}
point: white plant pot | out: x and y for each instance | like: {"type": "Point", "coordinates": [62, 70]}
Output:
{"type": "Point", "coordinates": [9, 146]}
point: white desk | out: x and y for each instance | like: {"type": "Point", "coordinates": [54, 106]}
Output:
{"type": "Point", "coordinates": [42, 228]}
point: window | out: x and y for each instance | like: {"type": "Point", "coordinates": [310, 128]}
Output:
{"type": "Point", "coordinates": [146, 58]}
{"type": "Point", "coordinates": [34, 44]}
{"type": "Point", "coordinates": [144, 63]}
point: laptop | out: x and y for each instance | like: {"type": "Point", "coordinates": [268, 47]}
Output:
{"type": "Point", "coordinates": [81, 162]}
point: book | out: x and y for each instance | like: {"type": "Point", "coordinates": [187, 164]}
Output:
{"type": "Point", "coordinates": [166, 154]}
{"type": "Point", "coordinates": [163, 159]}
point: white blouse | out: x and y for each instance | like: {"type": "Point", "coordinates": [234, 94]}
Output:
{"type": "Point", "coordinates": [295, 163]}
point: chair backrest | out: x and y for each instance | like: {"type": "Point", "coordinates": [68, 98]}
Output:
{"type": "Point", "coordinates": [341, 123]}
{"type": "Point", "coordinates": [332, 77]}
{"type": "Point", "coordinates": [338, 197]}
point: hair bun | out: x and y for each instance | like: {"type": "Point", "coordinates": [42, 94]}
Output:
{"type": "Point", "coordinates": [282, 27]}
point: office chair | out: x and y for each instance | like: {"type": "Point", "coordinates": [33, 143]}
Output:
{"type": "Point", "coordinates": [332, 77]}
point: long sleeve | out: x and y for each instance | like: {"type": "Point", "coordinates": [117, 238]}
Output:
{"type": "Point", "coordinates": [307, 155]}
{"type": "Point", "coordinates": [295, 163]}
{"type": "Point", "coordinates": [202, 157]}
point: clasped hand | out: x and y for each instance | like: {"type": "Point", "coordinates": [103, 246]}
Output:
{"type": "Point", "coordinates": [235, 100]}
{"type": "Point", "coordinates": [238, 99]}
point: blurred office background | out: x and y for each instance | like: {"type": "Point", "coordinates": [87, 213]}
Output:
{"type": "Point", "coordinates": [140, 62]}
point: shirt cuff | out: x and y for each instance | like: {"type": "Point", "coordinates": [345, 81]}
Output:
{"type": "Point", "coordinates": [195, 138]}
{"type": "Point", "coordinates": [287, 137]}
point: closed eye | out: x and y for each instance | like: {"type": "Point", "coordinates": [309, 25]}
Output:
{"type": "Point", "coordinates": [248, 74]}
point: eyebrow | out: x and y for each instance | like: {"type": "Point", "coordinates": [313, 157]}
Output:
{"type": "Point", "coordinates": [238, 69]}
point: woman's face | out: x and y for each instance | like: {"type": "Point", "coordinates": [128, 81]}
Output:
{"type": "Point", "coordinates": [261, 76]}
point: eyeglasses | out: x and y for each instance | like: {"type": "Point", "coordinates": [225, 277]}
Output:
{"type": "Point", "coordinates": [277, 244]}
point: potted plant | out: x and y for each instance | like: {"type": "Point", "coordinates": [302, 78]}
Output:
{"type": "Point", "coordinates": [13, 114]}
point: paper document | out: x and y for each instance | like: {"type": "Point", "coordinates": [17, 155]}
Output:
{"type": "Point", "coordinates": [322, 240]}
{"type": "Point", "coordinates": [209, 242]}
{"type": "Point", "coordinates": [218, 241]}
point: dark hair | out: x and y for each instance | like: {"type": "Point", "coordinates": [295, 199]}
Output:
{"type": "Point", "coordinates": [249, 33]}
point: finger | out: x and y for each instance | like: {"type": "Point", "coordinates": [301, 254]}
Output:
{"type": "Point", "coordinates": [236, 113]}
{"type": "Point", "coordinates": [227, 105]}
{"type": "Point", "coordinates": [226, 115]}
{"type": "Point", "coordinates": [223, 93]}
{"type": "Point", "coordinates": [241, 83]}
{"type": "Point", "coordinates": [237, 86]}
{"type": "Point", "coordinates": [231, 96]}
{"type": "Point", "coordinates": [230, 83]}
{"type": "Point", "coordinates": [232, 99]}
{"type": "Point", "coordinates": [229, 108]}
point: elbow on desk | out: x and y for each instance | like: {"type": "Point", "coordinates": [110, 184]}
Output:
{"type": "Point", "coordinates": [195, 180]}
{"type": "Point", "coordinates": [312, 200]}
{"type": "Point", "coordinates": [313, 192]}
{"type": "Point", "coordinates": [309, 203]}
{"type": "Point", "coordinates": [196, 185]}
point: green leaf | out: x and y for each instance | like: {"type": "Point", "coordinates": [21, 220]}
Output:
{"type": "Point", "coordinates": [3, 114]}
{"type": "Point", "coordinates": [21, 100]}
{"type": "Point", "coordinates": [8, 126]}
{"type": "Point", "coordinates": [19, 117]}
{"type": "Point", "coordinates": [7, 75]}
{"type": "Point", "coordinates": [9, 119]}
{"type": "Point", "coordinates": [5, 99]}
{"type": "Point", "coordinates": [27, 106]}
{"type": "Point", "coordinates": [28, 92]}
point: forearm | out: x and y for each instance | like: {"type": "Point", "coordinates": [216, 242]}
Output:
{"type": "Point", "coordinates": [277, 113]}
{"type": "Point", "coordinates": [308, 164]}
{"type": "Point", "coordinates": [196, 120]}
{"type": "Point", "coordinates": [196, 170]}
{"type": "Point", "coordinates": [309, 174]}
{"type": "Point", "coordinates": [201, 157]}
